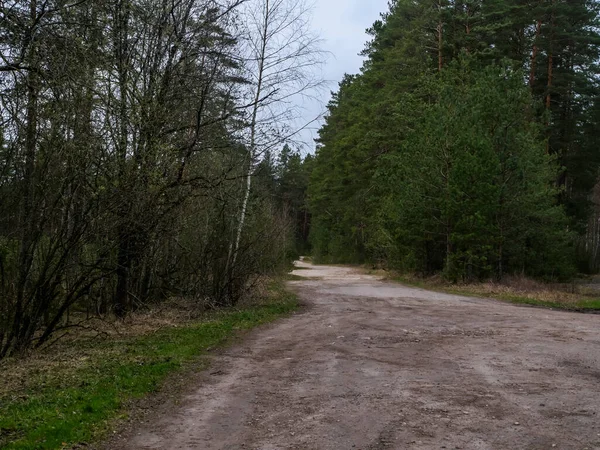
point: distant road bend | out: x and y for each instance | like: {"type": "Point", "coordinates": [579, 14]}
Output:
{"type": "Point", "coordinates": [376, 365]}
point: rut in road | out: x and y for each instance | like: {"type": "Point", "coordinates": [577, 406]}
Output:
{"type": "Point", "coordinates": [376, 365]}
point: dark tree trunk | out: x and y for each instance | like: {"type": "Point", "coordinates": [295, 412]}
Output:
{"type": "Point", "coordinates": [534, 54]}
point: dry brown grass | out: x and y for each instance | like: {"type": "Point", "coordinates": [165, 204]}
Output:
{"type": "Point", "coordinates": [521, 286]}
{"type": "Point", "coordinates": [517, 289]}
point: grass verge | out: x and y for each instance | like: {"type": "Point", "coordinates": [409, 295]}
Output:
{"type": "Point", "coordinates": [293, 277]}
{"type": "Point", "coordinates": [518, 290]}
{"type": "Point", "coordinates": [70, 393]}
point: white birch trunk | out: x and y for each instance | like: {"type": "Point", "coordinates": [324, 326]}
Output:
{"type": "Point", "coordinates": [253, 123]}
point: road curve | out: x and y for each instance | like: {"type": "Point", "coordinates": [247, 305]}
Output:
{"type": "Point", "coordinates": [375, 365]}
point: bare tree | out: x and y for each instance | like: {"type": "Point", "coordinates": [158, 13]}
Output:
{"type": "Point", "coordinates": [283, 62]}
{"type": "Point", "coordinates": [126, 129]}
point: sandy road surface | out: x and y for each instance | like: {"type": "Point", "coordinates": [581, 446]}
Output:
{"type": "Point", "coordinates": [375, 365]}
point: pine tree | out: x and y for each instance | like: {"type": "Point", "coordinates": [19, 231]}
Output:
{"type": "Point", "coordinates": [443, 153]}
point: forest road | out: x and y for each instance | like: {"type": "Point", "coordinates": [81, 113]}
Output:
{"type": "Point", "coordinates": [376, 365]}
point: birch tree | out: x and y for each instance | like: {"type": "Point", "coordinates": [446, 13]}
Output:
{"type": "Point", "coordinates": [283, 61]}
{"type": "Point", "coordinates": [123, 137]}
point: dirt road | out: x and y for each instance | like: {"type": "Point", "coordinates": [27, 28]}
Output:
{"type": "Point", "coordinates": [374, 365]}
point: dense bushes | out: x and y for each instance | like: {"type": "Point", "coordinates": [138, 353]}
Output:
{"type": "Point", "coordinates": [128, 134]}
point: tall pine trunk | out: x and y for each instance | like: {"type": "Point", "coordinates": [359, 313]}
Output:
{"type": "Point", "coordinates": [550, 80]}
{"type": "Point", "coordinates": [440, 37]}
{"type": "Point", "coordinates": [534, 53]}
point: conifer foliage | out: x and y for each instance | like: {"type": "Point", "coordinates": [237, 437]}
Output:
{"type": "Point", "coordinates": [464, 146]}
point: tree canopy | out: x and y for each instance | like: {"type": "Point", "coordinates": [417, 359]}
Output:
{"type": "Point", "coordinates": [465, 144]}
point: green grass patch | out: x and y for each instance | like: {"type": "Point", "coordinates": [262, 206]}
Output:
{"type": "Point", "coordinates": [547, 298]}
{"type": "Point", "coordinates": [592, 304]}
{"type": "Point", "coordinates": [74, 400]}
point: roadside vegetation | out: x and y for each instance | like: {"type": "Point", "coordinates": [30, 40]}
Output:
{"type": "Point", "coordinates": [145, 153]}
{"type": "Point", "coordinates": [149, 183]}
{"type": "Point", "coordinates": [77, 390]}
{"type": "Point", "coordinates": [466, 146]}
{"type": "Point", "coordinates": [519, 290]}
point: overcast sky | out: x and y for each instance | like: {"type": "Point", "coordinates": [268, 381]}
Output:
{"type": "Point", "coordinates": [342, 25]}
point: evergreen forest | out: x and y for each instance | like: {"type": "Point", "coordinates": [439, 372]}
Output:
{"type": "Point", "coordinates": [467, 144]}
